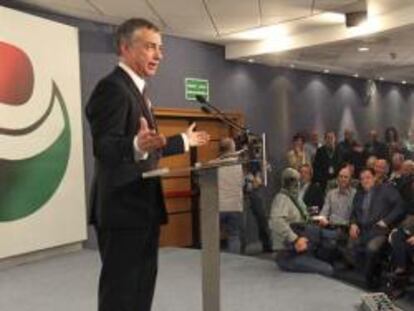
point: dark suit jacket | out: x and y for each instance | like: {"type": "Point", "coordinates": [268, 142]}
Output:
{"type": "Point", "coordinates": [377, 149]}
{"type": "Point", "coordinates": [314, 196]}
{"type": "Point", "coordinates": [323, 162]}
{"type": "Point", "coordinates": [120, 198]}
{"type": "Point", "coordinates": [386, 204]}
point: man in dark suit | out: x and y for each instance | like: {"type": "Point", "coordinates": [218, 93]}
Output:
{"type": "Point", "coordinates": [375, 147]}
{"type": "Point", "coordinates": [127, 210]}
{"type": "Point", "coordinates": [377, 208]}
{"type": "Point", "coordinates": [327, 161]}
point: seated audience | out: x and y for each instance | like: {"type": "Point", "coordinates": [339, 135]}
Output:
{"type": "Point", "coordinates": [309, 192]}
{"type": "Point", "coordinates": [327, 161]}
{"type": "Point", "coordinates": [377, 208]}
{"type": "Point", "coordinates": [332, 184]}
{"type": "Point", "coordinates": [334, 217]}
{"type": "Point", "coordinates": [338, 202]}
{"type": "Point", "coordinates": [402, 245]}
{"type": "Point", "coordinates": [296, 157]}
{"type": "Point", "coordinates": [288, 222]}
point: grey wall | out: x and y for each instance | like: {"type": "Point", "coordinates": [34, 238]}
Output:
{"type": "Point", "coordinates": [277, 101]}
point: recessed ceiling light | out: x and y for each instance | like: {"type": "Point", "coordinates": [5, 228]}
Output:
{"type": "Point", "coordinates": [356, 75]}
{"type": "Point", "coordinates": [363, 49]}
{"type": "Point", "coordinates": [326, 70]}
{"type": "Point", "coordinates": [404, 82]}
{"type": "Point", "coordinates": [250, 60]}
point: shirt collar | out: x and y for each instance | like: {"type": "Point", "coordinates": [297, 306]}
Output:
{"type": "Point", "coordinates": [138, 81]}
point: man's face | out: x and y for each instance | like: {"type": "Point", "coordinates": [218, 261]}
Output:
{"type": "Point", "coordinates": [348, 135]}
{"type": "Point", "coordinates": [144, 53]}
{"type": "Point", "coordinates": [314, 137]}
{"type": "Point", "coordinates": [305, 174]}
{"type": "Point", "coordinates": [381, 168]}
{"type": "Point", "coordinates": [330, 139]}
{"type": "Point", "coordinates": [397, 161]}
{"type": "Point", "coordinates": [367, 180]}
{"type": "Point", "coordinates": [344, 178]}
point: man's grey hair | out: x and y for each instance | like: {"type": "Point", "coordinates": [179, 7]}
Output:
{"type": "Point", "coordinates": [125, 31]}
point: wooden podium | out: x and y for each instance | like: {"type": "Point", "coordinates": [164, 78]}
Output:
{"type": "Point", "coordinates": [210, 227]}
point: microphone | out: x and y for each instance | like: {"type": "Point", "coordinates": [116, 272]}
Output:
{"type": "Point", "coordinates": [205, 109]}
{"type": "Point", "coordinates": [201, 99]}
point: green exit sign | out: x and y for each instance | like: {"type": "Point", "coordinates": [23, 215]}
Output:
{"type": "Point", "coordinates": [195, 87]}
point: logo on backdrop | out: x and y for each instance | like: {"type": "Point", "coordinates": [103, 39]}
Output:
{"type": "Point", "coordinates": [33, 156]}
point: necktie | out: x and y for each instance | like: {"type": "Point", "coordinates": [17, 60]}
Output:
{"type": "Point", "coordinates": [148, 108]}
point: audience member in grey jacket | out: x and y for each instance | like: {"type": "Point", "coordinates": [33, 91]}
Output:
{"type": "Point", "coordinates": [295, 250]}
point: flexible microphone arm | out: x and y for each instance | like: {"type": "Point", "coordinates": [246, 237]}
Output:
{"type": "Point", "coordinates": [207, 107]}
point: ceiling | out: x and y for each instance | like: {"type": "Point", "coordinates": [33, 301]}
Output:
{"type": "Point", "coordinates": [304, 34]}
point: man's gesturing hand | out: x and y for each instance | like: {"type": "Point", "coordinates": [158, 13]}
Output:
{"type": "Point", "coordinates": [196, 138]}
{"type": "Point", "coordinates": [149, 140]}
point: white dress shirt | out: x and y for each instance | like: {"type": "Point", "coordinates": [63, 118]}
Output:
{"type": "Point", "coordinates": [140, 84]}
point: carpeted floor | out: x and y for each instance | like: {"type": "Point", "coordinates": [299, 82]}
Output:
{"type": "Point", "coordinates": [68, 283]}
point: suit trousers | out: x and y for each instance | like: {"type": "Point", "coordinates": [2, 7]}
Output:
{"type": "Point", "coordinates": [129, 268]}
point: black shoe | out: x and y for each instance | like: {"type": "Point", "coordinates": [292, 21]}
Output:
{"type": "Point", "coordinates": [395, 286]}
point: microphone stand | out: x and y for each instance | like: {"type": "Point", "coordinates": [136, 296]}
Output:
{"type": "Point", "coordinates": [209, 108]}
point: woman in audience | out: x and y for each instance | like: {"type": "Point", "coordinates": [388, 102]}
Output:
{"type": "Point", "coordinates": [296, 157]}
{"type": "Point", "coordinates": [292, 234]}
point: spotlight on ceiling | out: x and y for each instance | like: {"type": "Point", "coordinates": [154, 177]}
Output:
{"type": "Point", "coordinates": [250, 60]}
{"type": "Point", "coordinates": [326, 71]}
{"type": "Point", "coordinates": [404, 82]}
{"type": "Point", "coordinates": [353, 19]}
{"type": "Point", "coordinates": [356, 75]}
{"type": "Point", "coordinates": [363, 49]}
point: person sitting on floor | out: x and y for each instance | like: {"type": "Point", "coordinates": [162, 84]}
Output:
{"type": "Point", "coordinates": [377, 208]}
{"type": "Point", "coordinates": [295, 248]}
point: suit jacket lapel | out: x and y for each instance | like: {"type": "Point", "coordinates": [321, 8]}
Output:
{"type": "Point", "coordinates": [139, 97]}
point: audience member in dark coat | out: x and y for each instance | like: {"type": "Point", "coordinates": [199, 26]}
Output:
{"type": "Point", "coordinates": [376, 210]}
{"type": "Point", "coordinates": [310, 193]}
{"type": "Point", "coordinates": [327, 161]}
{"type": "Point", "coordinates": [375, 147]}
